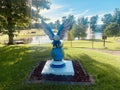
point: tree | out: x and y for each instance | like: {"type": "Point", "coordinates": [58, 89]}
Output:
{"type": "Point", "coordinates": [107, 19]}
{"type": "Point", "coordinates": [2, 23]}
{"type": "Point", "coordinates": [16, 14]}
{"type": "Point", "coordinates": [39, 4]}
{"type": "Point", "coordinates": [79, 31]}
{"type": "Point", "coordinates": [83, 21]}
{"type": "Point", "coordinates": [71, 31]}
{"type": "Point", "coordinates": [71, 34]}
{"type": "Point", "coordinates": [111, 24]}
{"type": "Point", "coordinates": [64, 18]}
{"type": "Point", "coordinates": [116, 16]}
{"type": "Point", "coordinates": [93, 22]}
{"type": "Point", "coordinates": [57, 24]}
{"type": "Point", "coordinates": [112, 30]}
{"type": "Point", "coordinates": [80, 27]}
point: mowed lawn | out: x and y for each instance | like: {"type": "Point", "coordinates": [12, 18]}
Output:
{"type": "Point", "coordinates": [17, 61]}
{"type": "Point", "coordinates": [110, 43]}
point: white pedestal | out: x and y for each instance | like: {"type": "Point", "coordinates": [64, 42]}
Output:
{"type": "Point", "coordinates": [66, 70]}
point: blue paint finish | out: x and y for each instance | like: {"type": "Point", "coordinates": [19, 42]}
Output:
{"type": "Point", "coordinates": [57, 54]}
{"type": "Point", "coordinates": [58, 66]}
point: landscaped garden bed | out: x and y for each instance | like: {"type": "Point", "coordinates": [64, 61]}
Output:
{"type": "Point", "coordinates": [80, 77]}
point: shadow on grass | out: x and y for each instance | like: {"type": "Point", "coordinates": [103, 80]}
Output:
{"type": "Point", "coordinates": [12, 53]}
{"type": "Point", "coordinates": [106, 76]}
{"type": "Point", "coordinates": [16, 62]}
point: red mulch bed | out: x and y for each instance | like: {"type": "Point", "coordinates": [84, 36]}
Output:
{"type": "Point", "coordinates": [80, 77]}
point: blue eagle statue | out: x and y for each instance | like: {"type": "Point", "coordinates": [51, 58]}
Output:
{"type": "Point", "coordinates": [57, 52]}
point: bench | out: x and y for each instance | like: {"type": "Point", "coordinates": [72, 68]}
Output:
{"type": "Point", "coordinates": [19, 42]}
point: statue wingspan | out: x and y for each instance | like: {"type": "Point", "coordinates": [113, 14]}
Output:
{"type": "Point", "coordinates": [47, 30]}
{"type": "Point", "coordinates": [67, 25]}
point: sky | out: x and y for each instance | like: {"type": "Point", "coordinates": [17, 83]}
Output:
{"type": "Point", "coordinates": [80, 8]}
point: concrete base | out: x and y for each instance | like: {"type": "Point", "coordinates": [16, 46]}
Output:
{"type": "Point", "coordinates": [66, 70]}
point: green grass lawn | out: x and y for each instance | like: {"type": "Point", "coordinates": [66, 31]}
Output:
{"type": "Point", "coordinates": [16, 62]}
{"type": "Point", "coordinates": [110, 44]}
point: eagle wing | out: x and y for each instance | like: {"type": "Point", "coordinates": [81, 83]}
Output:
{"type": "Point", "coordinates": [47, 30]}
{"type": "Point", "coordinates": [67, 25]}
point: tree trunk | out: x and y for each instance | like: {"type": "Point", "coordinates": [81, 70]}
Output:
{"type": "Point", "coordinates": [78, 37]}
{"type": "Point", "coordinates": [10, 31]}
{"type": "Point", "coordinates": [11, 36]}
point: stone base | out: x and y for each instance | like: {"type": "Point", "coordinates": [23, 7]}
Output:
{"type": "Point", "coordinates": [66, 70]}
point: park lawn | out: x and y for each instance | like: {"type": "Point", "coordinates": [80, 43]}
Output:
{"type": "Point", "coordinates": [16, 62]}
{"type": "Point", "coordinates": [110, 44]}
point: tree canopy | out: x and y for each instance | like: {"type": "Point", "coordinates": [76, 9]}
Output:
{"type": "Point", "coordinates": [116, 16]}
{"type": "Point", "coordinates": [39, 5]}
{"type": "Point", "coordinates": [83, 21]}
{"type": "Point", "coordinates": [111, 24]}
{"type": "Point", "coordinates": [16, 14]}
{"type": "Point", "coordinates": [93, 22]}
{"type": "Point", "coordinates": [107, 19]}
{"type": "Point", "coordinates": [112, 30]}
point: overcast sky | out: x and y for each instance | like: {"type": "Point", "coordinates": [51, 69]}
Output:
{"type": "Point", "coordinates": [79, 8]}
